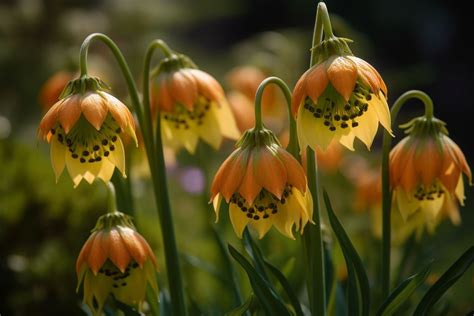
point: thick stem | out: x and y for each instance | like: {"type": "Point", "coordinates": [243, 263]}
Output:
{"type": "Point", "coordinates": [312, 238]}
{"type": "Point", "coordinates": [132, 89]}
{"type": "Point", "coordinates": [386, 192]}
{"type": "Point", "coordinates": [293, 146]}
{"type": "Point", "coordinates": [156, 160]}
{"type": "Point", "coordinates": [111, 198]}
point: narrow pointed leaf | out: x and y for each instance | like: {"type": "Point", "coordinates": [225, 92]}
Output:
{"type": "Point", "coordinates": [287, 287]}
{"type": "Point", "coordinates": [445, 282]}
{"type": "Point", "coordinates": [255, 254]}
{"type": "Point", "coordinates": [165, 306]}
{"type": "Point", "coordinates": [271, 303]}
{"type": "Point", "coordinates": [230, 273]}
{"type": "Point", "coordinates": [403, 292]}
{"type": "Point", "coordinates": [152, 300]}
{"type": "Point", "coordinates": [359, 281]}
{"type": "Point", "coordinates": [242, 309]}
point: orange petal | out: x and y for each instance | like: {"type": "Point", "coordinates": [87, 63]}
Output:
{"type": "Point", "coordinates": [428, 162]}
{"type": "Point", "coordinates": [295, 172]}
{"type": "Point", "coordinates": [94, 109]}
{"type": "Point", "coordinates": [369, 75]}
{"type": "Point", "coordinates": [230, 175]}
{"type": "Point", "coordinates": [397, 161]}
{"type": "Point", "coordinates": [134, 246]}
{"type": "Point", "coordinates": [49, 120]}
{"type": "Point", "coordinates": [84, 252]}
{"type": "Point", "coordinates": [270, 171]}
{"type": "Point", "coordinates": [342, 73]}
{"type": "Point", "coordinates": [164, 100]}
{"type": "Point", "coordinates": [316, 82]}
{"type": "Point", "coordinates": [147, 247]}
{"type": "Point", "coordinates": [116, 250]}
{"type": "Point", "coordinates": [69, 112]}
{"type": "Point", "coordinates": [183, 88]}
{"type": "Point", "coordinates": [450, 171]}
{"type": "Point", "coordinates": [460, 158]}
{"type": "Point", "coordinates": [250, 188]}
{"type": "Point", "coordinates": [409, 179]}
{"type": "Point", "coordinates": [298, 94]}
{"type": "Point", "coordinates": [97, 255]}
{"type": "Point", "coordinates": [207, 85]}
{"type": "Point", "coordinates": [118, 110]}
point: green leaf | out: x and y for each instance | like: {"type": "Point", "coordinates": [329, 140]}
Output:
{"type": "Point", "coordinates": [200, 264]}
{"type": "Point", "coordinates": [152, 300]}
{"type": "Point", "coordinates": [127, 310]}
{"type": "Point", "coordinates": [249, 304]}
{"type": "Point", "coordinates": [271, 303]}
{"type": "Point", "coordinates": [255, 254]}
{"type": "Point", "coordinates": [403, 292]}
{"type": "Point", "coordinates": [445, 282]}
{"type": "Point", "coordinates": [287, 287]}
{"type": "Point", "coordinates": [358, 282]}
{"type": "Point", "coordinates": [165, 306]}
{"type": "Point", "coordinates": [230, 273]}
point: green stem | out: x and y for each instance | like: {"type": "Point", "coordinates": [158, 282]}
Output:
{"type": "Point", "coordinates": [312, 237]}
{"type": "Point", "coordinates": [158, 172]}
{"type": "Point", "coordinates": [293, 146]}
{"type": "Point", "coordinates": [111, 198]}
{"type": "Point", "coordinates": [386, 192]}
{"type": "Point", "coordinates": [132, 89]}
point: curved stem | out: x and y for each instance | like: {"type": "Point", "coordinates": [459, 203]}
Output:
{"type": "Point", "coordinates": [111, 198]}
{"type": "Point", "coordinates": [312, 238]}
{"type": "Point", "coordinates": [132, 89]}
{"type": "Point", "coordinates": [386, 192]}
{"type": "Point", "coordinates": [325, 20]}
{"type": "Point", "coordinates": [154, 149]}
{"type": "Point", "coordinates": [293, 146]}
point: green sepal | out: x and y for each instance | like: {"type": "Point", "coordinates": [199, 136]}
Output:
{"type": "Point", "coordinates": [455, 271]}
{"type": "Point", "coordinates": [82, 85]}
{"type": "Point", "coordinates": [403, 292]}
{"type": "Point", "coordinates": [113, 219]}
{"type": "Point", "coordinates": [333, 46]}
{"type": "Point", "coordinates": [257, 137]}
{"type": "Point", "coordinates": [172, 64]}
{"type": "Point", "coordinates": [359, 291]}
{"type": "Point", "coordinates": [269, 300]}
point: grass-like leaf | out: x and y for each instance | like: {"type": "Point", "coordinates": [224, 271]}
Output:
{"type": "Point", "coordinates": [358, 281]}
{"type": "Point", "coordinates": [445, 282]}
{"type": "Point", "coordinates": [403, 292]}
{"type": "Point", "coordinates": [269, 300]}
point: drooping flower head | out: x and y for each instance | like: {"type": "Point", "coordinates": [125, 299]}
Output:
{"type": "Point", "coordinates": [341, 97]}
{"type": "Point", "coordinates": [191, 105]}
{"type": "Point", "coordinates": [115, 260]}
{"type": "Point", "coordinates": [85, 129]}
{"type": "Point", "coordinates": [426, 170]}
{"type": "Point", "coordinates": [264, 185]}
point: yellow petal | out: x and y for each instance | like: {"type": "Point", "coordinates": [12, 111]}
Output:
{"type": "Point", "coordinates": [76, 169]}
{"type": "Point", "coordinates": [348, 141]}
{"type": "Point", "coordinates": [209, 130]}
{"type": "Point", "coordinates": [117, 157]}
{"type": "Point", "coordinates": [407, 205]}
{"type": "Point", "coordinates": [216, 202]}
{"type": "Point", "coordinates": [226, 120]}
{"type": "Point", "coordinates": [106, 170]}
{"type": "Point", "coordinates": [368, 124]}
{"type": "Point", "coordinates": [383, 112]}
{"type": "Point", "coordinates": [282, 221]}
{"type": "Point", "coordinates": [315, 132]}
{"type": "Point", "coordinates": [459, 191]}
{"type": "Point", "coordinates": [58, 157]}
{"type": "Point", "coordinates": [262, 226]}
{"type": "Point", "coordinates": [238, 219]}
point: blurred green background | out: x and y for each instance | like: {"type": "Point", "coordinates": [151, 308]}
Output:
{"type": "Point", "coordinates": [420, 45]}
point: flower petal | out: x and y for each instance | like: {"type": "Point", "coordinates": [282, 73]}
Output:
{"type": "Point", "coordinates": [295, 172]}
{"type": "Point", "coordinates": [97, 254]}
{"type": "Point", "coordinates": [342, 72]}
{"type": "Point", "coordinates": [183, 88]}
{"type": "Point", "coordinates": [116, 251]}
{"type": "Point", "coordinates": [315, 82]}
{"type": "Point", "coordinates": [250, 187]}
{"type": "Point", "coordinates": [58, 157]}
{"type": "Point", "coordinates": [238, 219]}
{"type": "Point", "coordinates": [69, 112]}
{"type": "Point", "coordinates": [269, 171]}
{"type": "Point", "coordinates": [94, 108]}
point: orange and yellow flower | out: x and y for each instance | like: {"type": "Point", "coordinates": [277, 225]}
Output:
{"type": "Point", "coordinates": [264, 185]}
{"type": "Point", "coordinates": [85, 129]}
{"type": "Point", "coordinates": [191, 105]}
{"type": "Point", "coordinates": [115, 260]}
{"type": "Point", "coordinates": [342, 97]}
{"type": "Point", "coordinates": [243, 110]}
{"type": "Point", "coordinates": [426, 170]}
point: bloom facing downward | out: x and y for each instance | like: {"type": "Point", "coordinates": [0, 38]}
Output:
{"type": "Point", "coordinates": [426, 173]}
{"type": "Point", "coordinates": [341, 97]}
{"type": "Point", "coordinates": [85, 129]}
{"type": "Point", "coordinates": [264, 185]}
{"type": "Point", "coordinates": [115, 260]}
{"type": "Point", "coordinates": [192, 105]}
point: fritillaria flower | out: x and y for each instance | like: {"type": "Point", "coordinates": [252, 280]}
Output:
{"type": "Point", "coordinates": [242, 108]}
{"type": "Point", "coordinates": [85, 129]}
{"type": "Point", "coordinates": [192, 105]}
{"type": "Point", "coordinates": [264, 185]}
{"type": "Point", "coordinates": [341, 97]}
{"type": "Point", "coordinates": [115, 260]}
{"type": "Point", "coordinates": [426, 170]}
